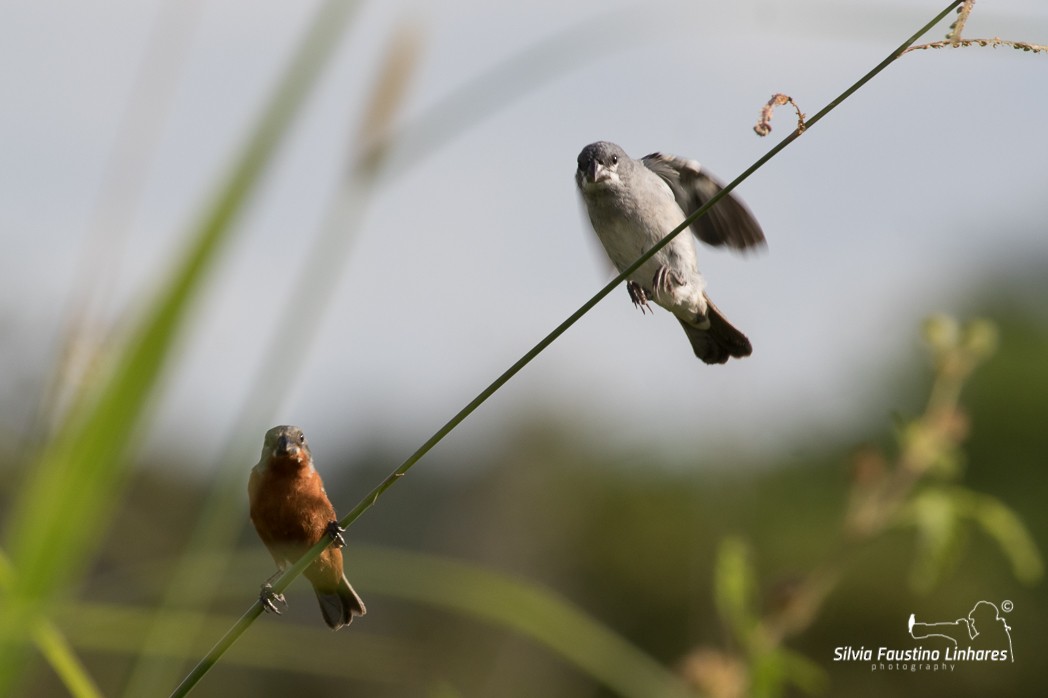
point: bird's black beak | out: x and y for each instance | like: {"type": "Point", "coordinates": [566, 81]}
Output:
{"type": "Point", "coordinates": [285, 446]}
{"type": "Point", "coordinates": [591, 170]}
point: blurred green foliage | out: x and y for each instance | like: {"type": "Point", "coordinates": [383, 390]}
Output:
{"type": "Point", "coordinates": [700, 565]}
{"type": "Point", "coordinates": [72, 482]}
{"type": "Point", "coordinates": [554, 567]}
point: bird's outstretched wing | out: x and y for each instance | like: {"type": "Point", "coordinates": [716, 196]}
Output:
{"type": "Point", "coordinates": [729, 222]}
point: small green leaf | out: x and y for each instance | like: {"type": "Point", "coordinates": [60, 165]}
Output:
{"type": "Point", "coordinates": [1001, 524]}
{"type": "Point", "coordinates": [935, 515]}
{"type": "Point", "coordinates": [941, 333]}
{"type": "Point", "coordinates": [980, 338]}
{"type": "Point", "coordinates": [734, 582]}
{"type": "Point", "coordinates": [773, 671]}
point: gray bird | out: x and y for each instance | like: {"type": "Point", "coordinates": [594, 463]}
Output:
{"type": "Point", "coordinates": [632, 204]}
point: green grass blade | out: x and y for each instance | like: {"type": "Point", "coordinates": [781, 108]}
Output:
{"type": "Point", "coordinates": [54, 647]}
{"type": "Point", "coordinates": [71, 488]}
{"type": "Point", "coordinates": [527, 609]}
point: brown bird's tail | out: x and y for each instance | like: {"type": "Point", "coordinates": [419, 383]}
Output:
{"type": "Point", "coordinates": [719, 341]}
{"type": "Point", "coordinates": [341, 605]}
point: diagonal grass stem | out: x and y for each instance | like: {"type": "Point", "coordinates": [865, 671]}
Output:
{"type": "Point", "coordinates": [372, 497]}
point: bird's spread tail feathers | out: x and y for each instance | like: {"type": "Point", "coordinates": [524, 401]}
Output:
{"type": "Point", "coordinates": [341, 605]}
{"type": "Point", "coordinates": [718, 341]}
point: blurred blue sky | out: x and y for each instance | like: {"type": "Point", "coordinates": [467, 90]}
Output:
{"type": "Point", "coordinates": [907, 200]}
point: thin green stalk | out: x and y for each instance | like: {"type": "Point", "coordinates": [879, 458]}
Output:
{"type": "Point", "coordinates": [384, 156]}
{"type": "Point", "coordinates": [54, 647]}
{"type": "Point", "coordinates": [503, 83]}
{"type": "Point", "coordinates": [369, 500]}
{"type": "Point", "coordinates": [373, 496]}
{"type": "Point", "coordinates": [109, 223]}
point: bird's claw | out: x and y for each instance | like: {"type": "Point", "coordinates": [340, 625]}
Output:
{"type": "Point", "coordinates": [270, 599]}
{"type": "Point", "coordinates": [638, 296]}
{"type": "Point", "coordinates": [334, 532]}
{"type": "Point", "coordinates": [664, 281]}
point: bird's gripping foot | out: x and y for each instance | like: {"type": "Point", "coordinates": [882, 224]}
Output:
{"type": "Point", "coordinates": [270, 599]}
{"type": "Point", "coordinates": [638, 296]}
{"type": "Point", "coordinates": [334, 532]}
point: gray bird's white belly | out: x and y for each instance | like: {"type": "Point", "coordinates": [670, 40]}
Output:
{"type": "Point", "coordinates": [626, 231]}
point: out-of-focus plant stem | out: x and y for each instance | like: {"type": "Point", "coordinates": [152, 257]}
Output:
{"type": "Point", "coordinates": [372, 497]}
{"type": "Point", "coordinates": [885, 493]}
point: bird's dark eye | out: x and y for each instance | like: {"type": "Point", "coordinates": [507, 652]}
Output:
{"type": "Point", "coordinates": [614, 159]}
{"type": "Point", "coordinates": [302, 438]}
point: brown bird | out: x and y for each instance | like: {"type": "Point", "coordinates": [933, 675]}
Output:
{"type": "Point", "coordinates": [292, 512]}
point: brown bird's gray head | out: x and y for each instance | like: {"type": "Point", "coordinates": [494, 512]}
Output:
{"type": "Point", "coordinates": [285, 442]}
{"type": "Point", "coordinates": [602, 165]}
